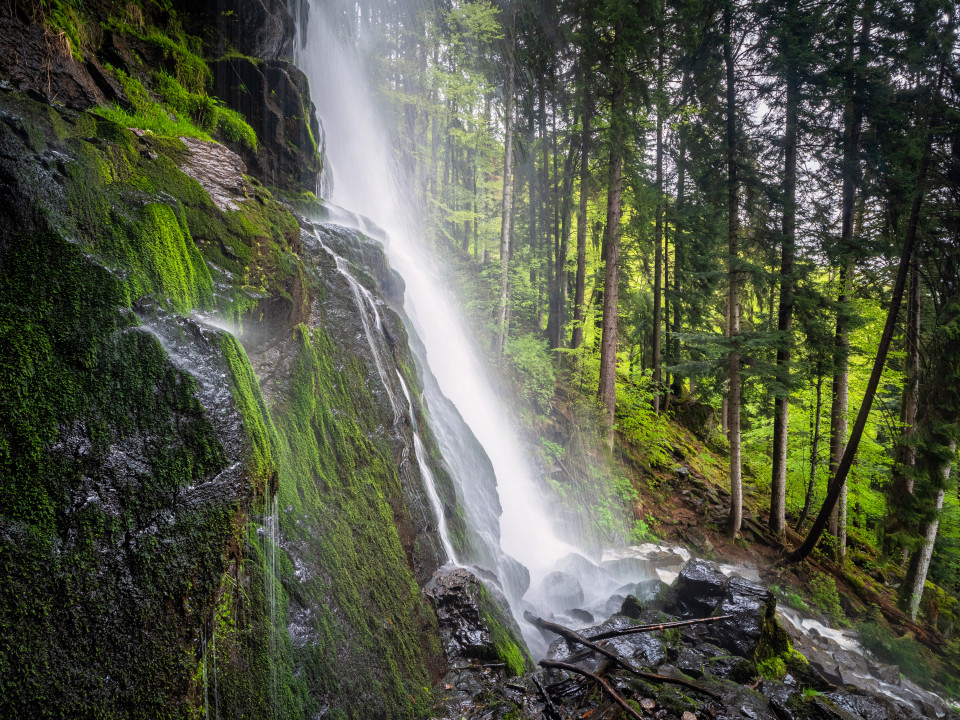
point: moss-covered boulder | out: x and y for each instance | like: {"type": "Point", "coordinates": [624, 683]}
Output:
{"type": "Point", "coordinates": [476, 623]}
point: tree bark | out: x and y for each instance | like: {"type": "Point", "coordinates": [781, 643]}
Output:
{"type": "Point", "coordinates": [814, 453]}
{"type": "Point", "coordinates": [580, 291]}
{"type": "Point", "coordinates": [920, 564]}
{"type": "Point", "coordinates": [658, 241]}
{"type": "Point", "coordinates": [778, 481]}
{"type": "Point", "coordinates": [733, 230]}
{"type": "Point", "coordinates": [608, 341]}
{"type": "Point", "coordinates": [896, 299]}
{"type": "Point", "coordinates": [507, 188]}
{"type": "Point", "coordinates": [901, 488]}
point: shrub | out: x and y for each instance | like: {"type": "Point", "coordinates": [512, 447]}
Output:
{"type": "Point", "coordinates": [824, 596]}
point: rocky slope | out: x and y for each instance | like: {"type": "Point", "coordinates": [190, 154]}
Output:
{"type": "Point", "coordinates": [208, 505]}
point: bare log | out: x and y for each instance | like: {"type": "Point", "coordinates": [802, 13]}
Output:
{"type": "Point", "coordinates": [552, 710]}
{"type": "Point", "coordinates": [574, 636]}
{"type": "Point", "coordinates": [653, 628]}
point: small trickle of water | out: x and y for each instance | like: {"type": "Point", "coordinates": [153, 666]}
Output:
{"type": "Point", "coordinates": [271, 521]}
{"type": "Point", "coordinates": [367, 308]}
{"type": "Point", "coordinates": [429, 481]}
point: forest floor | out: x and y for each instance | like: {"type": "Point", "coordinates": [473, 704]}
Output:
{"type": "Point", "coordinates": [685, 501]}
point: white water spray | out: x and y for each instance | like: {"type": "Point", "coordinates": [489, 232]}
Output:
{"type": "Point", "coordinates": [365, 181]}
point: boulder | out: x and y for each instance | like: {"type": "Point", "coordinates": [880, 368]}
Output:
{"type": "Point", "coordinates": [630, 569]}
{"type": "Point", "coordinates": [475, 621]}
{"type": "Point", "coordinates": [589, 573]}
{"type": "Point", "coordinates": [697, 591]}
{"type": "Point", "coordinates": [562, 590]}
{"type": "Point", "coordinates": [751, 607]}
{"type": "Point", "coordinates": [274, 99]}
{"type": "Point", "coordinates": [645, 590]}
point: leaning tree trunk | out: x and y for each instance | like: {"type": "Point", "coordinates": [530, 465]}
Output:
{"type": "Point", "coordinates": [841, 394]}
{"type": "Point", "coordinates": [896, 300]}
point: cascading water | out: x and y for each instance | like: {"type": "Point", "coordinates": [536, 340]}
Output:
{"type": "Point", "coordinates": [367, 308]}
{"type": "Point", "coordinates": [507, 515]}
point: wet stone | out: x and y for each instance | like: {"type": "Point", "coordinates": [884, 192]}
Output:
{"type": "Point", "coordinates": [750, 605]}
{"type": "Point", "coordinates": [697, 591]}
{"type": "Point", "coordinates": [562, 590]}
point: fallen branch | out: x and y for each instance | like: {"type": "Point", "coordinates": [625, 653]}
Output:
{"type": "Point", "coordinates": [552, 710]}
{"type": "Point", "coordinates": [600, 681]}
{"type": "Point", "coordinates": [653, 628]}
{"type": "Point", "coordinates": [576, 637]}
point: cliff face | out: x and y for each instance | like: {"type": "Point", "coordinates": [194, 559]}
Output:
{"type": "Point", "coordinates": [208, 500]}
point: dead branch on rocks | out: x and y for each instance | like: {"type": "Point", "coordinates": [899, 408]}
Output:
{"type": "Point", "coordinates": [598, 680]}
{"type": "Point", "coordinates": [576, 637]}
{"type": "Point", "coordinates": [552, 710]}
{"type": "Point", "coordinates": [653, 628]}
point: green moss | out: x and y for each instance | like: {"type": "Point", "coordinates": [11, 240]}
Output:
{"type": "Point", "coordinates": [341, 496]}
{"type": "Point", "coordinates": [86, 553]}
{"type": "Point", "coordinates": [82, 386]}
{"type": "Point", "coordinates": [508, 647]}
{"type": "Point", "coordinates": [258, 426]}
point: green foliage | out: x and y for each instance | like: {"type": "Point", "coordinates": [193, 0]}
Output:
{"type": "Point", "coordinates": [532, 367]}
{"type": "Point", "coordinates": [649, 432]}
{"type": "Point", "coordinates": [914, 660]}
{"type": "Point", "coordinates": [148, 114]}
{"type": "Point", "coordinates": [824, 597]}
{"type": "Point", "coordinates": [508, 645]}
{"type": "Point", "coordinates": [789, 597]}
{"type": "Point", "coordinates": [195, 114]}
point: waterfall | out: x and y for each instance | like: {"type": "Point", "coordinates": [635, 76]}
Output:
{"type": "Point", "coordinates": [512, 521]}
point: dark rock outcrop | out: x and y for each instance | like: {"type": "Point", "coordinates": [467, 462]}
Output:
{"type": "Point", "coordinates": [697, 591]}
{"type": "Point", "coordinates": [38, 62]}
{"type": "Point", "coordinates": [274, 98]}
{"type": "Point", "coordinates": [752, 608]}
{"type": "Point", "coordinates": [263, 29]}
{"type": "Point", "coordinates": [475, 621]}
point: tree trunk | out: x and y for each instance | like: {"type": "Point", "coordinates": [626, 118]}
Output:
{"type": "Point", "coordinates": [901, 488]}
{"type": "Point", "coordinates": [840, 391]}
{"type": "Point", "coordinates": [658, 242]}
{"type": "Point", "coordinates": [733, 270]}
{"type": "Point", "coordinates": [896, 299]}
{"type": "Point", "coordinates": [814, 452]}
{"type": "Point", "coordinates": [920, 564]}
{"type": "Point", "coordinates": [678, 257]}
{"type": "Point", "coordinates": [578, 296]}
{"type": "Point", "coordinates": [608, 342]}
{"type": "Point", "coordinates": [507, 190]}
{"type": "Point", "coordinates": [778, 481]}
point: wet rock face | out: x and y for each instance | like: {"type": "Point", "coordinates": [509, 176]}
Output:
{"type": "Point", "coordinates": [697, 591]}
{"type": "Point", "coordinates": [218, 170]}
{"type": "Point", "coordinates": [562, 590]}
{"type": "Point", "coordinates": [475, 620]}
{"type": "Point", "coordinates": [260, 28]}
{"type": "Point", "coordinates": [36, 62]}
{"type": "Point", "coordinates": [751, 606]}
{"type": "Point", "coordinates": [274, 99]}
